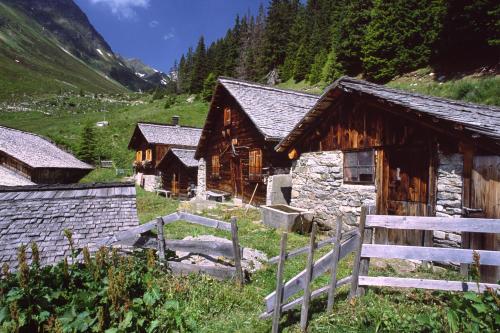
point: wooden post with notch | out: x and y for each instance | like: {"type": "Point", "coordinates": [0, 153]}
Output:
{"type": "Point", "coordinates": [360, 264]}
{"type": "Point", "coordinates": [161, 238]}
{"type": "Point", "coordinates": [333, 269]}
{"type": "Point", "coordinates": [279, 283]}
{"type": "Point", "coordinates": [237, 253]}
{"type": "Point", "coordinates": [304, 313]}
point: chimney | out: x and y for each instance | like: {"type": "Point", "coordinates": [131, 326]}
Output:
{"type": "Point", "coordinates": [175, 120]}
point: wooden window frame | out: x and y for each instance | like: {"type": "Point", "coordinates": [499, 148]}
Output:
{"type": "Point", "coordinates": [215, 167]}
{"type": "Point", "coordinates": [255, 164]}
{"type": "Point", "coordinates": [359, 166]}
{"type": "Point", "coordinates": [227, 116]}
{"type": "Point", "coordinates": [149, 154]}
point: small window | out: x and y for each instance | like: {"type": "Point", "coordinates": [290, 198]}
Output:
{"type": "Point", "coordinates": [149, 155]}
{"type": "Point", "coordinates": [138, 155]}
{"type": "Point", "coordinates": [227, 117]}
{"type": "Point", "coordinates": [255, 164]}
{"type": "Point", "coordinates": [215, 166]}
{"type": "Point", "coordinates": [359, 167]}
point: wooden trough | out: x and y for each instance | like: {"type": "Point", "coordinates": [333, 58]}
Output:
{"type": "Point", "coordinates": [207, 248]}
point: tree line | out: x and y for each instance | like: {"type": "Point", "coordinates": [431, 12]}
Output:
{"type": "Point", "coordinates": [321, 40]}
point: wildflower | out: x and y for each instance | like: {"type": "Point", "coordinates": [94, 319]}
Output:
{"type": "Point", "coordinates": [101, 321]}
{"type": "Point", "coordinates": [69, 236]}
{"type": "Point", "coordinates": [86, 258]}
{"type": "Point", "coordinates": [151, 260]}
{"type": "Point", "coordinates": [66, 269]}
{"type": "Point", "coordinates": [24, 271]}
{"type": "Point", "coordinates": [5, 270]}
{"type": "Point", "coordinates": [35, 255]}
{"type": "Point", "coordinates": [14, 314]}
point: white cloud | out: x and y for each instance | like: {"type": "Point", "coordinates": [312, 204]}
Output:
{"type": "Point", "coordinates": [153, 24]}
{"type": "Point", "coordinates": [169, 35]}
{"type": "Point", "coordinates": [123, 8]}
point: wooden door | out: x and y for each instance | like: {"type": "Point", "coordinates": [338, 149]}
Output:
{"type": "Point", "coordinates": [236, 177]}
{"type": "Point", "coordinates": [405, 176]}
{"type": "Point", "coordinates": [175, 184]}
{"type": "Point", "coordinates": [485, 195]}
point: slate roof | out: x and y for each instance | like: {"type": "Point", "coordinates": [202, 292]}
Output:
{"type": "Point", "coordinates": [170, 134]}
{"type": "Point", "coordinates": [482, 120]}
{"type": "Point", "coordinates": [186, 156]}
{"type": "Point", "coordinates": [36, 151]}
{"type": "Point", "coordinates": [41, 213]}
{"type": "Point", "coordinates": [273, 111]}
{"type": "Point", "coordinates": [11, 178]}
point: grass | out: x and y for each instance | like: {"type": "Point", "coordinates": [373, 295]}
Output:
{"type": "Point", "coordinates": [220, 307]}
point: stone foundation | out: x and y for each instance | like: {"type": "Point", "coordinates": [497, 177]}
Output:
{"type": "Point", "coordinates": [317, 185]}
{"type": "Point", "coordinates": [449, 196]}
{"type": "Point", "coordinates": [278, 189]}
{"type": "Point", "coordinates": [201, 187]}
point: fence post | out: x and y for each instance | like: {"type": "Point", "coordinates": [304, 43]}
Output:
{"type": "Point", "coordinates": [279, 283]}
{"type": "Point", "coordinates": [304, 313]}
{"type": "Point", "coordinates": [357, 260]}
{"type": "Point", "coordinates": [161, 238]}
{"type": "Point", "coordinates": [335, 260]}
{"type": "Point", "coordinates": [236, 250]}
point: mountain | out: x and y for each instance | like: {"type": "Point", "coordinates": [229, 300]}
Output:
{"type": "Point", "coordinates": [51, 45]}
{"type": "Point", "coordinates": [146, 72]}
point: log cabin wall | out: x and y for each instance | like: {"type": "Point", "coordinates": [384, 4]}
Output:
{"type": "Point", "coordinates": [234, 168]}
{"type": "Point", "coordinates": [183, 176]}
{"type": "Point", "coordinates": [16, 165]}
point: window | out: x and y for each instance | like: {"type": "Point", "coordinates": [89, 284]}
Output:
{"type": "Point", "coordinates": [215, 166]}
{"type": "Point", "coordinates": [255, 164]}
{"type": "Point", "coordinates": [149, 155]}
{"type": "Point", "coordinates": [227, 116]}
{"type": "Point", "coordinates": [359, 167]}
{"type": "Point", "coordinates": [138, 155]}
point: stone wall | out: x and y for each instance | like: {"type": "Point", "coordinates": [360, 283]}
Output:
{"type": "Point", "coordinates": [317, 185]}
{"type": "Point", "coordinates": [449, 196]}
{"type": "Point", "coordinates": [150, 182]}
{"type": "Point", "coordinates": [201, 187]}
{"type": "Point", "coordinates": [278, 189]}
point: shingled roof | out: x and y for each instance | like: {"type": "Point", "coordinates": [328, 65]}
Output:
{"type": "Point", "coordinates": [36, 151]}
{"type": "Point", "coordinates": [11, 178]}
{"type": "Point", "coordinates": [480, 120]}
{"type": "Point", "coordinates": [173, 135]}
{"type": "Point", "coordinates": [186, 156]}
{"type": "Point", "coordinates": [41, 213]}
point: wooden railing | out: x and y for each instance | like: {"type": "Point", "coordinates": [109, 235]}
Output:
{"type": "Point", "coordinates": [229, 250]}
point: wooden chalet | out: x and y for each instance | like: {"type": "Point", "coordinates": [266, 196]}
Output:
{"type": "Point", "coordinates": [151, 141]}
{"type": "Point", "coordinates": [179, 171]}
{"type": "Point", "coordinates": [27, 158]}
{"type": "Point", "coordinates": [406, 153]}
{"type": "Point", "coordinates": [244, 123]}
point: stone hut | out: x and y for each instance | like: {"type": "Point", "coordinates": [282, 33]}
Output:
{"type": "Point", "coordinates": [151, 141]}
{"type": "Point", "coordinates": [405, 153]}
{"type": "Point", "coordinates": [27, 158]}
{"type": "Point", "coordinates": [41, 213]}
{"type": "Point", "coordinates": [244, 123]}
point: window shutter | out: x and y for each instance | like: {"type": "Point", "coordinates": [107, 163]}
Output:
{"type": "Point", "coordinates": [227, 116]}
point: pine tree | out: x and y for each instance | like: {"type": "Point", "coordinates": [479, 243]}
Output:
{"type": "Point", "coordinates": [317, 67]}
{"type": "Point", "coordinates": [87, 150]}
{"type": "Point", "coordinates": [400, 36]}
{"type": "Point", "coordinates": [332, 69]}
{"type": "Point", "coordinates": [199, 71]}
{"type": "Point", "coordinates": [208, 87]}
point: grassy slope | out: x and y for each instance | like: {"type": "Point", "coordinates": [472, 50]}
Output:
{"type": "Point", "coordinates": [220, 307]}
{"type": "Point", "coordinates": [42, 67]}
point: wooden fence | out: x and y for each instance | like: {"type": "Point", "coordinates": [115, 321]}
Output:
{"type": "Point", "coordinates": [360, 241]}
{"type": "Point", "coordinates": [215, 249]}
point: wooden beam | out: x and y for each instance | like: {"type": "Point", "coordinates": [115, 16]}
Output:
{"type": "Point", "coordinates": [236, 252]}
{"type": "Point", "coordinates": [161, 238]}
{"type": "Point", "coordinates": [333, 269]}
{"type": "Point", "coordinates": [381, 281]}
{"type": "Point", "coordinates": [434, 223]}
{"type": "Point", "coordinates": [429, 254]}
{"type": "Point", "coordinates": [304, 312]}
{"type": "Point", "coordinates": [204, 221]}
{"type": "Point", "coordinates": [279, 285]}
{"type": "Point", "coordinates": [357, 259]}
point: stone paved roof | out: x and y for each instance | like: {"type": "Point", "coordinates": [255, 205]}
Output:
{"type": "Point", "coordinates": [186, 156]}
{"type": "Point", "coordinates": [41, 213]}
{"type": "Point", "coordinates": [36, 151]}
{"type": "Point", "coordinates": [273, 111]}
{"type": "Point", "coordinates": [170, 134]}
{"type": "Point", "coordinates": [482, 120]}
{"type": "Point", "coordinates": [11, 178]}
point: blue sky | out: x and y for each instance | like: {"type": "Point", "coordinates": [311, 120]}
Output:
{"type": "Point", "coordinates": [160, 31]}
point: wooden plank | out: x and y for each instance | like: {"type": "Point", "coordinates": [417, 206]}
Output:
{"type": "Point", "coordinates": [297, 284]}
{"type": "Point", "coordinates": [220, 273]}
{"type": "Point", "coordinates": [429, 253]}
{"type": "Point", "coordinates": [305, 249]}
{"type": "Point", "coordinates": [357, 259]}
{"type": "Point", "coordinates": [236, 251]}
{"type": "Point", "coordinates": [161, 238]}
{"type": "Point", "coordinates": [204, 221]}
{"type": "Point", "coordinates": [279, 284]}
{"type": "Point", "coordinates": [304, 312]}
{"type": "Point", "coordinates": [382, 281]}
{"type": "Point", "coordinates": [315, 294]}
{"type": "Point", "coordinates": [434, 223]}
{"type": "Point", "coordinates": [334, 264]}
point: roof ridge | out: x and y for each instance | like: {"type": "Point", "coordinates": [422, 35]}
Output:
{"type": "Point", "coordinates": [267, 87]}
{"type": "Point", "coordinates": [168, 125]}
{"type": "Point", "coordinates": [62, 187]}
{"type": "Point", "coordinates": [416, 94]}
